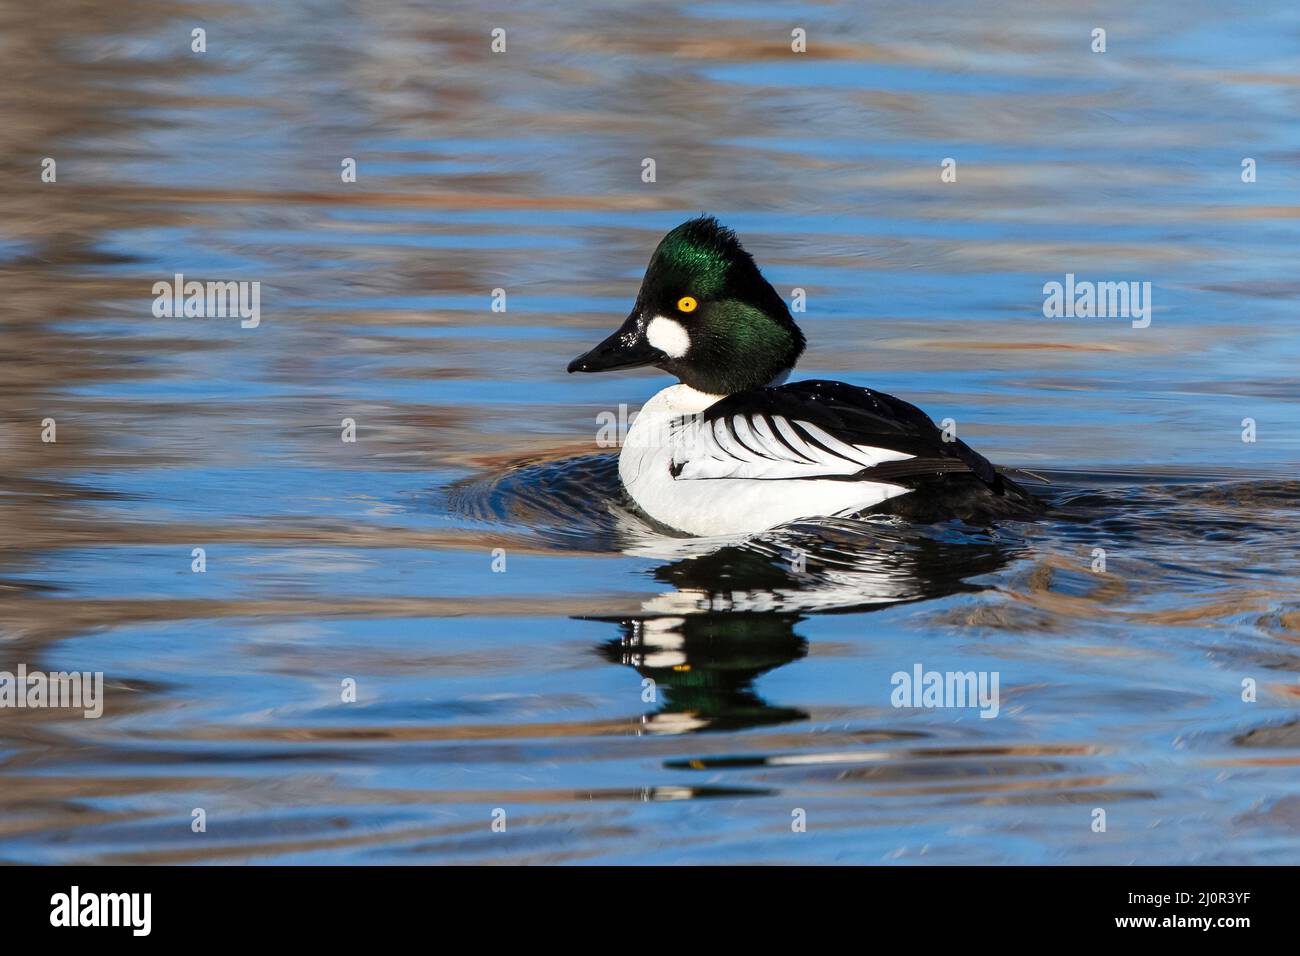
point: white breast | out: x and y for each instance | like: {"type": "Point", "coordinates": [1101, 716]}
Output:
{"type": "Point", "coordinates": [741, 475]}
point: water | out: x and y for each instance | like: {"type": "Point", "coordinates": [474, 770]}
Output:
{"type": "Point", "coordinates": [524, 690]}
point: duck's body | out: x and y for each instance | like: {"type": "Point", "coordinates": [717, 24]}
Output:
{"type": "Point", "coordinates": [722, 465]}
{"type": "Point", "coordinates": [719, 475]}
{"type": "Point", "coordinates": [730, 450]}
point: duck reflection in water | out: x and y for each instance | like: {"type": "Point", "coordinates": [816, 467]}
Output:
{"type": "Point", "coordinates": [734, 604]}
{"type": "Point", "coordinates": [733, 612]}
{"type": "Point", "coordinates": [703, 667]}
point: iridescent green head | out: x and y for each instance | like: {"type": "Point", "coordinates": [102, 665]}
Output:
{"type": "Point", "coordinates": [705, 314]}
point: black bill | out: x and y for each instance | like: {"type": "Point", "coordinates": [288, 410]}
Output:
{"type": "Point", "coordinates": [626, 348]}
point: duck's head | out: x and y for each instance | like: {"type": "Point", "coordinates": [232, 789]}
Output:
{"type": "Point", "coordinates": [705, 314]}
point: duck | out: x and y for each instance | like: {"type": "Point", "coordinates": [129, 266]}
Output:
{"type": "Point", "coordinates": [735, 448]}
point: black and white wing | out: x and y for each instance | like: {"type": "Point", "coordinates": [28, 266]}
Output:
{"type": "Point", "coordinates": [818, 430]}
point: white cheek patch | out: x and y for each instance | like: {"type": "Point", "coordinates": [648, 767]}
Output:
{"type": "Point", "coordinates": [668, 336]}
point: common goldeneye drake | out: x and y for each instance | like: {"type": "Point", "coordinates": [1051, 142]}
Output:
{"type": "Point", "coordinates": [732, 450]}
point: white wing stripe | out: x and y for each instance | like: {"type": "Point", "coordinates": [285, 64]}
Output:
{"type": "Point", "coordinates": [722, 438]}
{"type": "Point", "coordinates": [741, 425]}
{"type": "Point", "coordinates": [865, 454]}
{"type": "Point", "coordinates": [773, 447]}
{"type": "Point", "coordinates": [792, 438]}
{"type": "Point", "coordinates": [771, 444]}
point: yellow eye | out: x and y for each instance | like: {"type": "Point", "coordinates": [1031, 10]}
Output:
{"type": "Point", "coordinates": [686, 304]}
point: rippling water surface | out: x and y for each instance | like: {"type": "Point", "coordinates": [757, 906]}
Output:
{"type": "Point", "coordinates": [526, 689]}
